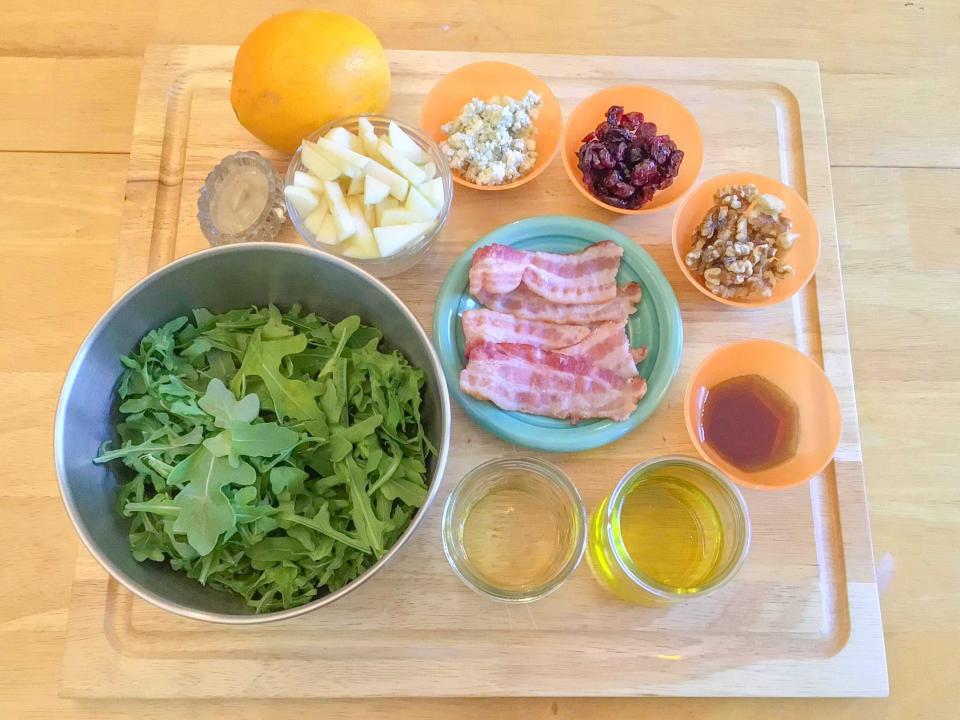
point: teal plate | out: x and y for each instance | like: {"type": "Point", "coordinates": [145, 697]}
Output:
{"type": "Point", "coordinates": [656, 324]}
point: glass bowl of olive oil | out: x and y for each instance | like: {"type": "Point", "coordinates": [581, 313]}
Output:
{"type": "Point", "coordinates": [514, 529]}
{"type": "Point", "coordinates": [673, 529]}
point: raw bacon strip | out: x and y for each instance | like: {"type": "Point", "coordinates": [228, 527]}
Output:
{"type": "Point", "coordinates": [497, 269]}
{"type": "Point", "coordinates": [586, 277]}
{"type": "Point", "coordinates": [490, 326]}
{"type": "Point", "coordinates": [523, 303]}
{"type": "Point", "coordinates": [543, 382]}
{"type": "Point", "coordinates": [607, 347]}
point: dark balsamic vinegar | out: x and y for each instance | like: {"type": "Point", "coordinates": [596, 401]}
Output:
{"type": "Point", "coordinates": [750, 422]}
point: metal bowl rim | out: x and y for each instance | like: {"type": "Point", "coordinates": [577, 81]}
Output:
{"type": "Point", "coordinates": [66, 494]}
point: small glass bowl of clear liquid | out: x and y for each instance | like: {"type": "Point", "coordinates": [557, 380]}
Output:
{"type": "Point", "coordinates": [514, 529]}
{"type": "Point", "coordinates": [241, 201]}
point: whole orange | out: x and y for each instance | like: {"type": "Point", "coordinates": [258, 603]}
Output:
{"type": "Point", "coordinates": [303, 68]}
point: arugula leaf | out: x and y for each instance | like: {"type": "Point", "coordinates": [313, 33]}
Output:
{"type": "Point", "coordinates": [291, 398]}
{"type": "Point", "coordinates": [239, 436]}
{"type": "Point", "coordinates": [341, 333]}
{"type": "Point", "coordinates": [409, 491]}
{"type": "Point", "coordinates": [260, 440]}
{"type": "Point", "coordinates": [162, 443]}
{"type": "Point", "coordinates": [275, 329]}
{"type": "Point", "coordinates": [365, 520]}
{"type": "Point", "coordinates": [225, 408]}
{"type": "Point", "coordinates": [288, 480]}
{"type": "Point", "coordinates": [205, 512]}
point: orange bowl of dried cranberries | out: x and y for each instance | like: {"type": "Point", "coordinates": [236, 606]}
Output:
{"type": "Point", "coordinates": [632, 149]}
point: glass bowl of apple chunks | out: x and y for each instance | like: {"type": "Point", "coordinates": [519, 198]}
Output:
{"type": "Point", "coordinates": [371, 189]}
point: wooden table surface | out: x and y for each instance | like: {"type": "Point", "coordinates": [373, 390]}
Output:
{"type": "Point", "coordinates": [891, 79]}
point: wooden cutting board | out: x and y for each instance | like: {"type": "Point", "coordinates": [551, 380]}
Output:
{"type": "Point", "coordinates": [801, 619]}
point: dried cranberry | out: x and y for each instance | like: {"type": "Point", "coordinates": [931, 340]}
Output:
{"type": "Point", "coordinates": [660, 149]}
{"type": "Point", "coordinates": [615, 201]}
{"type": "Point", "coordinates": [647, 131]}
{"type": "Point", "coordinates": [614, 114]}
{"type": "Point", "coordinates": [612, 179]}
{"type": "Point", "coordinates": [631, 121]}
{"type": "Point", "coordinates": [605, 159]}
{"type": "Point", "coordinates": [637, 153]}
{"type": "Point", "coordinates": [644, 173]}
{"type": "Point", "coordinates": [673, 167]}
{"type": "Point", "coordinates": [624, 162]}
{"type": "Point", "coordinates": [614, 134]}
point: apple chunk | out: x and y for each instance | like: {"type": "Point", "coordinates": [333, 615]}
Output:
{"type": "Point", "coordinates": [433, 191]}
{"type": "Point", "coordinates": [320, 224]}
{"type": "Point", "coordinates": [398, 185]}
{"type": "Point", "coordinates": [393, 239]}
{"type": "Point", "coordinates": [339, 210]}
{"type": "Point", "coordinates": [327, 232]}
{"type": "Point", "coordinates": [344, 138]}
{"type": "Point", "coordinates": [316, 163]}
{"type": "Point", "coordinates": [301, 200]}
{"type": "Point", "coordinates": [344, 155]}
{"type": "Point", "coordinates": [381, 207]}
{"type": "Point", "coordinates": [400, 216]}
{"type": "Point", "coordinates": [368, 136]}
{"type": "Point", "coordinates": [403, 166]}
{"type": "Point", "coordinates": [404, 144]}
{"type": "Point", "coordinates": [356, 186]}
{"type": "Point", "coordinates": [370, 214]}
{"type": "Point", "coordinates": [309, 181]}
{"type": "Point", "coordinates": [362, 245]}
{"type": "Point", "coordinates": [338, 164]}
{"type": "Point", "coordinates": [429, 169]}
{"type": "Point", "coordinates": [420, 206]}
{"type": "Point", "coordinates": [374, 190]}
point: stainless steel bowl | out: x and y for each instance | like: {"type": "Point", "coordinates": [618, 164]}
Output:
{"type": "Point", "coordinates": [218, 279]}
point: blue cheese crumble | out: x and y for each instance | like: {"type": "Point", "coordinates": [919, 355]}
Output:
{"type": "Point", "coordinates": [492, 142]}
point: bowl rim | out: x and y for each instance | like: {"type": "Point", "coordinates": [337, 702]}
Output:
{"type": "Point", "coordinates": [714, 182]}
{"type": "Point", "coordinates": [537, 170]}
{"type": "Point", "coordinates": [408, 256]}
{"type": "Point", "coordinates": [742, 477]}
{"type": "Point", "coordinates": [577, 182]}
{"type": "Point", "coordinates": [66, 494]}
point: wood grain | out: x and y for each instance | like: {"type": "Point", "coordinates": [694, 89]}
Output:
{"type": "Point", "coordinates": [885, 105]}
{"type": "Point", "coordinates": [905, 50]}
{"type": "Point", "coordinates": [802, 618]}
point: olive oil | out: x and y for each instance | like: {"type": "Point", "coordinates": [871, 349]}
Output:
{"type": "Point", "coordinates": [671, 529]}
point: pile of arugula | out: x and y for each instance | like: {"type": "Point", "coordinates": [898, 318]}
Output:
{"type": "Point", "coordinates": [274, 454]}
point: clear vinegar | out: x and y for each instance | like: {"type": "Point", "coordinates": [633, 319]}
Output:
{"type": "Point", "coordinates": [517, 535]}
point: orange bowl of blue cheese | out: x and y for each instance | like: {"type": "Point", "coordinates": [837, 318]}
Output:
{"type": "Point", "coordinates": [498, 125]}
